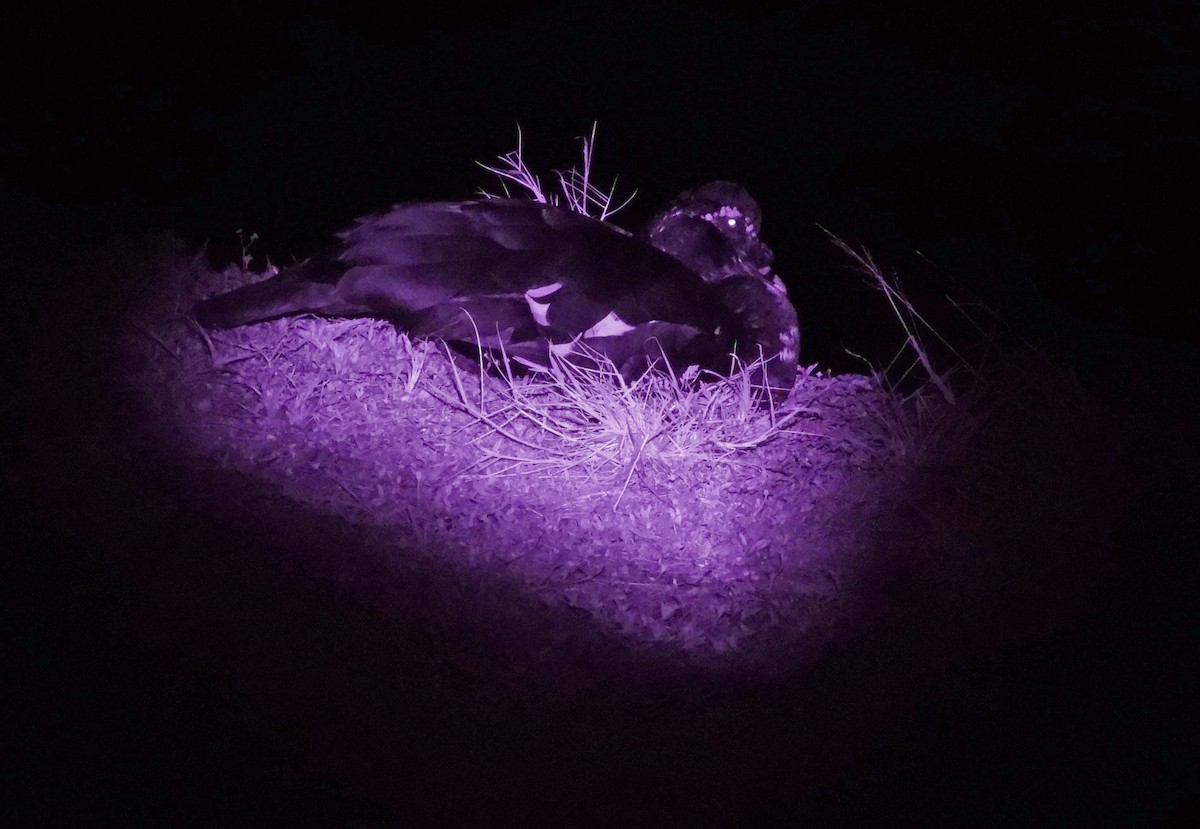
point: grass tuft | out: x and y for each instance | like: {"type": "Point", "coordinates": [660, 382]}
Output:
{"type": "Point", "coordinates": [588, 419]}
{"type": "Point", "coordinates": [578, 192]}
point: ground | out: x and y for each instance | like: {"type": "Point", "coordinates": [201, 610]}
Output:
{"type": "Point", "coordinates": [461, 615]}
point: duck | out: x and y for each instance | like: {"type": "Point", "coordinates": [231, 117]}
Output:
{"type": "Point", "coordinates": [532, 282]}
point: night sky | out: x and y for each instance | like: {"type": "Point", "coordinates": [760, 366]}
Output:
{"type": "Point", "coordinates": [1038, 156]}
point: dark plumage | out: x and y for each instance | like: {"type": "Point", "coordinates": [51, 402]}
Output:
{"type": "Point", "coordinates": [530, 278]}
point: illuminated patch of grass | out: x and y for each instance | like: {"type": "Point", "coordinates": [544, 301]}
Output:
{"type": "Point", "coordinates": [588, 418]}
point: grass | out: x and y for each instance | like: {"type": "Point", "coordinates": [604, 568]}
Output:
{"type": "Point", "coordinates": [674, 512]}
{"type": "Point", "coordinates": [660, 416]}
{"type": "Point", "coordinates": [619, 496]}
{"type": "Point", "coordinates": [588, 418]}
{"type": "Point", "coordinates": [578, 192]}
{"type": "Point", "coordinates": [928, 418]}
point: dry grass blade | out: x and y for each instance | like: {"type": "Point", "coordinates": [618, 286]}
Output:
{"type": "Point", "coordinates": [581, 415]}
{"type": "Point", "coordinates": [578, 192]}
{"type": "Point", "coordinates": [911, 321]}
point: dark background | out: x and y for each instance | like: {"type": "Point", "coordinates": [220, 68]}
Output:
{"type": "Point", "coordinates": [1037, 156]}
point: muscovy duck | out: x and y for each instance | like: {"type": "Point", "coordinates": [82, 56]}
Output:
{"type": "Point", "coordinates": [528, 279]}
